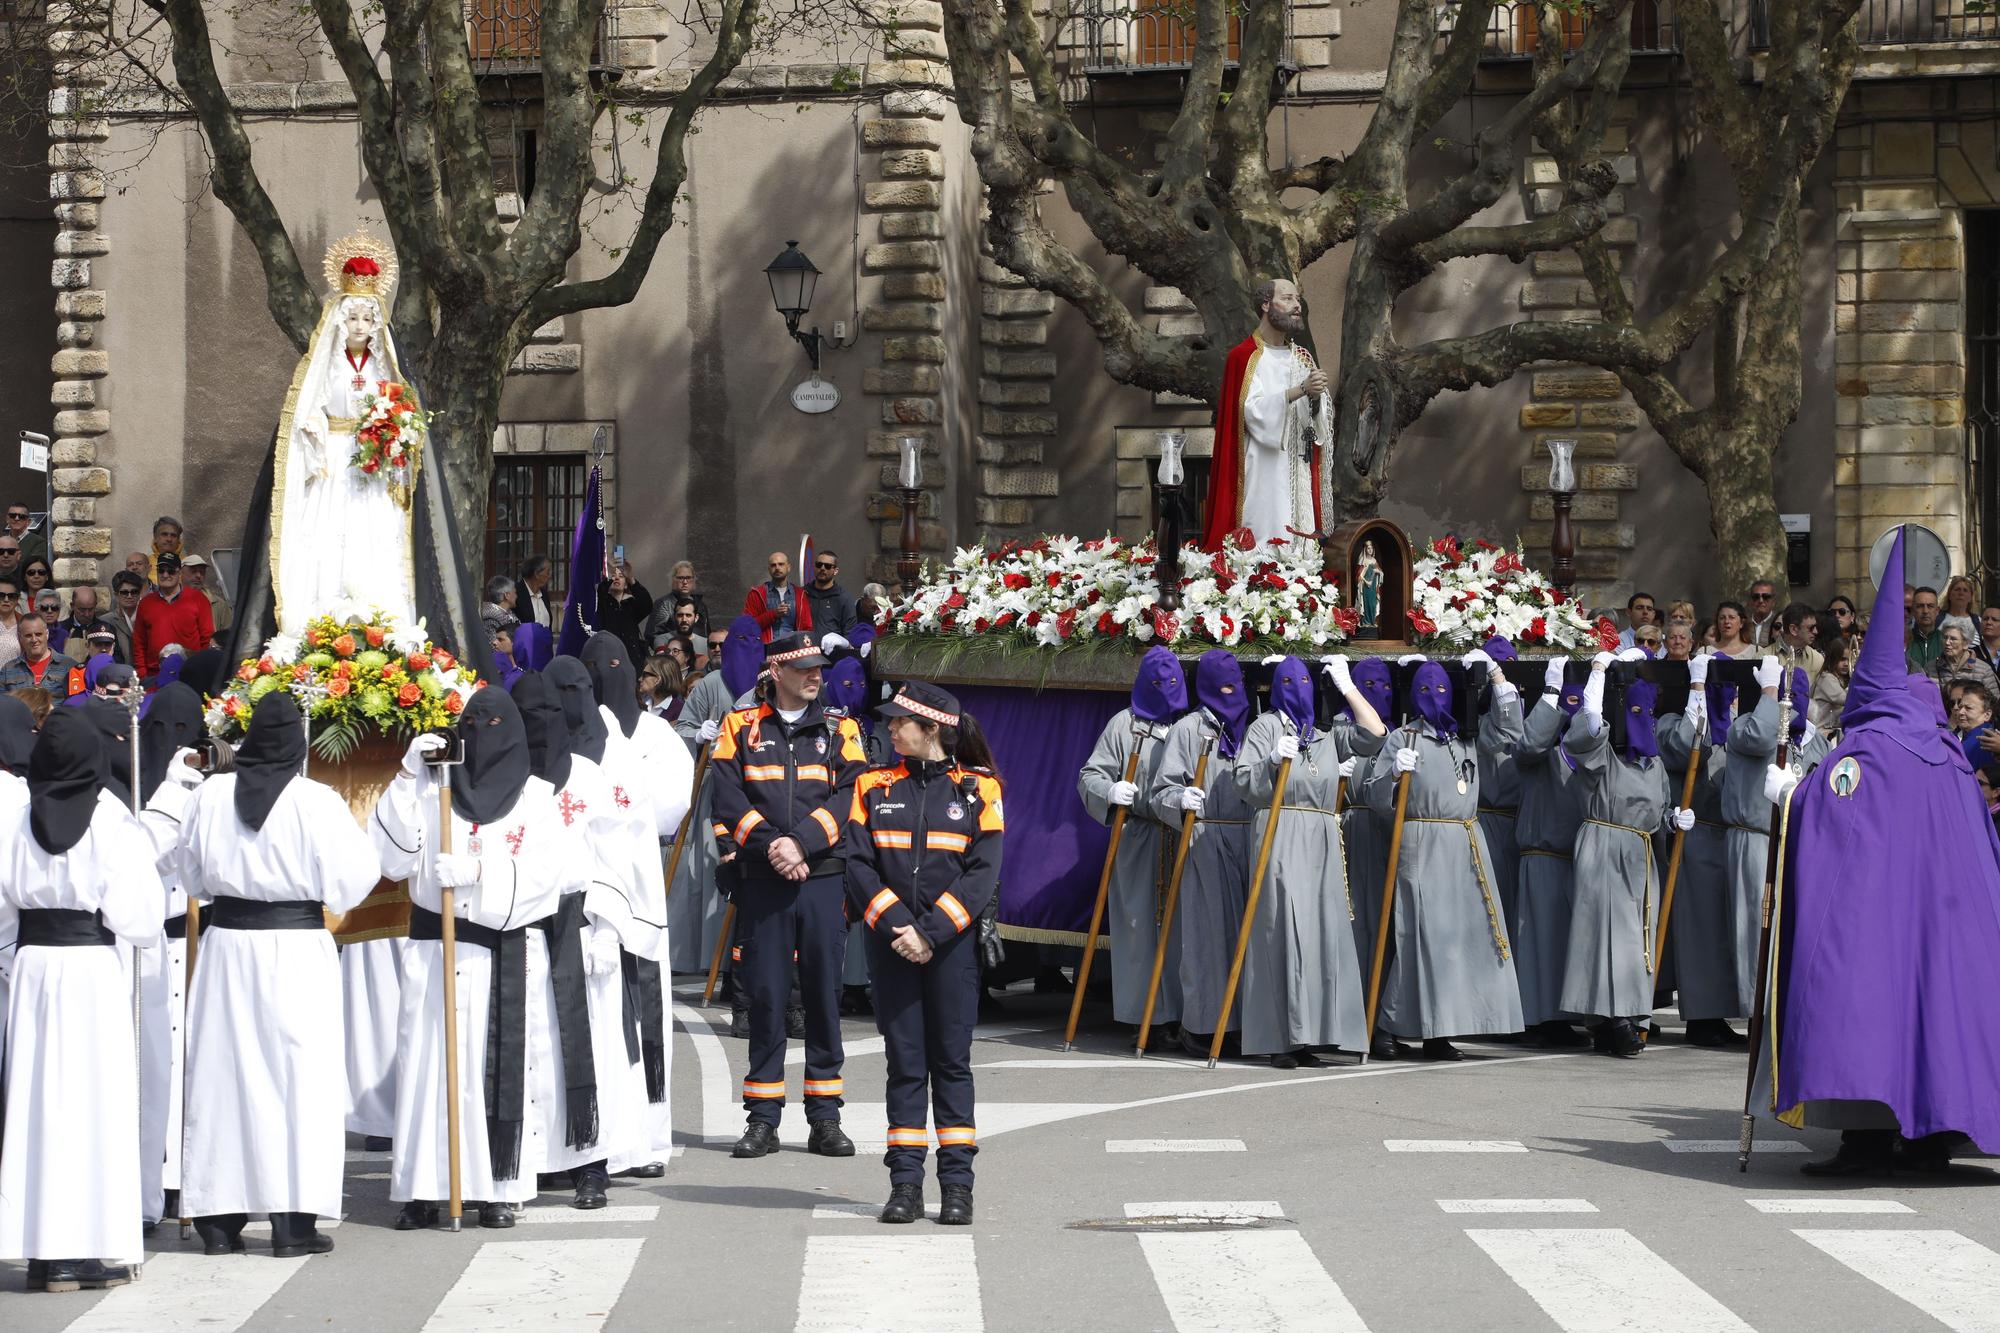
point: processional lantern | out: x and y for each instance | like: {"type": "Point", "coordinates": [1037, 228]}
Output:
{"type": "Point", "coordinates": [1167, 504]}
{"type": "Point", "coordinates": [1562, 491]}
{"type": "Point", "coordinates": [910, 478]}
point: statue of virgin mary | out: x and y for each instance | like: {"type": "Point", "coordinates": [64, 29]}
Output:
{"type": "Point", "coordinates": [340, 535]}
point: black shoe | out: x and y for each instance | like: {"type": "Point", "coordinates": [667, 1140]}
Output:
{"type": "Point", "coordinates": [1195, 1043]}
{"type": "Point", "coordinates": [650, 1171]}
{"type": "Point", "coordinates": [1437, 1048]}
{"type": "Point", "coordinates": [1307, 1060]}
{"type": "Point", "coordinates": [1386, 1047]}
{"type": "Point", "coordinates": [417, 1215]}
{"type": "Point", "coordinates": [827, 1140]}
{"type": "Point", "coordinates": [1558, 1035]}
{"type": "Point", "coordinates": [759, 1140]}
{"type": "Point", "coordinates": [293, 1236]}
{"type": "Point", "coordinates": [1617, 1036]}
{"type": "Point", "coordinates": [1712, 1033]}
{"type": "Point", "coordinates": [1931, 1153]}
{"type": "Point", "coordinates": [377, 1143]}
{"type": "Point", "coordinates": [496, 1216]}
{"type": "Point", "coordinates": [739, 1021]}
{"type": "Point", "coordinates": [795, 1023]}
{"type": "Point", "coordinates": [591, 1183]}
{"type": "Point", "coordinates": [1862, 1152]}
{"type": "Point", "coordinates": [955, 1209]}
{"type": "Point", "coordinates": [38, 1275]}
{"type": "Point", "coordinates": [1284, 1060]}
{"type": "Point", "coordinates": [906, 1204]}
{"type": "Point", "coordinates": [59, 1275]}
{"type": "Point", "coordinates": [98, 1275]}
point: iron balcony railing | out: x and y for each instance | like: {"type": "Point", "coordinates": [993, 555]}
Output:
{"type": "Point", "coordinates": [507, 34]}
{"type": "Point", "coordinates": [1514, 30]}
{"type": "Point", "coordinates": [1110, 37]}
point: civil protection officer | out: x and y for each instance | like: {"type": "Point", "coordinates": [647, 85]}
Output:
{"type": "Point", "coordinates": [923, 861]}
{"type": "Point", "coordinates": [783, 773]}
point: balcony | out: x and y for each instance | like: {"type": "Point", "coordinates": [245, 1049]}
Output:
{"type": "Point", "coordinates": [1513, 32]}
{"type": "Point", "coordinates": [1127, 39]}
{"type": "Point", "coordinates": [506, 36]}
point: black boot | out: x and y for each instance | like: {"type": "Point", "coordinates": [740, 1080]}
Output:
{"type": "Point", "coordinates": [98, 1275]}
{"type": "Point", "coordinates": [1712, 1032]}
{"type": "Point", "coordinates": [38, 1275]}
{"type": "Point", "coordinates": [294, 1235]}
{"type": "Point", "coordinates": [171, 1204]}
{"type": "Point", "coordinates": [827, 1140]}
{"type": "Point", "coordinates": [222, 1233]}
{"type": "Point", "coordinates": [955, 1210]}
{"type": "Point", "coordinates": [1617, 1036]}
{"type": "Point", "coordinates": [496, 1216]}
{"type": "Point", "coordinates": [795, 1022]}
{"type": "Point", "coordinates": [1862, 1152]}
{"type": "Point", "coordinates": [759, 1140]}
{"type": "Point", "coordinates": [739, 1021]}
{"type": "Point", "coordinates": [1437, 1048]}
{"type": "Point", "coordinates": [417, 1215]}
{"type": "Point", "coordinates": [906, 1204]}
{"type": "Point", "coordinates": [592, 1183]}
{"type": "Point", "coordinates": [1932, 1152]}
{"type": "Point", "coordinates": [1284, 1060]}
{"type": "Point", "coordinates": [59, 1275]}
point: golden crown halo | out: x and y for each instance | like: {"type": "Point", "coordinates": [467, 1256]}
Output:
{"type": "Point", "coordinates": [360, 245]}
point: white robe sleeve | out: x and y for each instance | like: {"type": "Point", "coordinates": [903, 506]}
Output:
{"type": "Point", "coordinates": [134, 905]}
{"type": "Point", "coordinates": [397, 828]}
{"type": "Point", "coordinates": [672, 771]}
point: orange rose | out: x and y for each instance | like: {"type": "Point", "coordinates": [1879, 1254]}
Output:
{"type": "Point", "coordinates": [266, 666]}
{"type": "Point", "coordinates": [419, 662]}
{"type": "Point", "coordinates": [453, 704]}
{"type": "Point", "coordinates": [407, 696]}
{"type": "Point", "coordinates": [344, 645]}
{"type": "Point", "coordinates": [375, 637]}
{"type": "Point", "coordinates": [445, 660]}
{"type": "Point", "coordinates": [300, 671]}
{"type": "Point", "coordinates": [338, 686]}
{"type": "Point", "coordinates": [248, 671]}
{"type": "Point", "coordinates": [312, 637]}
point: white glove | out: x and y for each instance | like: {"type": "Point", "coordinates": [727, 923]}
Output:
{"type": "Point", "coordinates": [1778, 783]}
{"type": "Point", "coordinates": [1602, 661]}
{"type": "Point", "coordinates": [1124, 793]}
{"type": "Point", "coordinates": [456, 870]}
{"type": "Point", "coordinates": [1769, 671]}
{"type": "Point", "coordinates": [421, 749]}
{"type": "Point", "coordinates": [1337, 671]}
{"type": "Point", "coordinates": [1632, 654]}
{"type": "Point", "coordinates": [179, 772]}
{"type": "Point", "coordinates": [1553, 673]}
{"type": "Point", "coordinates": [1477, 660]}
{"type": "Point", "coordinates": [1286, 749]}
{"type": "Point", "coordinates": [1593, 692]}
{"type": "Point", "coordinates": [600, 951]}
{"type": "Point", "coordinates": [1406, 760]}
{"type": "Point", "coordinates": [833, 641]}
{"type": "Point", "coordinates": [1681, 819]}
{"type": "Point", "coordinates": [1273, 659]}
{"type": "Point", "coordinates": [1193, 798]}
{"type": "Point", "coordinates": [709, 731]}
{"type": "Point", "coordinates": [1407, 658]}
{"type": "Point", "coordinates": [1698, 667]}
{"type": "Point", "coordinates": [1347, 767]}
{"type": "Point", "coordinates": [1697, 712]}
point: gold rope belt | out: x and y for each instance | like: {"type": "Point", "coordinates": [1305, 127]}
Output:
{"type": "Point", "coordinates": [1330, 814]}
{"type": "Point", "coordinates": [1471, 827]}
{"type": "Point", "coordinates": [1646, 895]}
{"type": "Point", "coordinates": [344, 425]}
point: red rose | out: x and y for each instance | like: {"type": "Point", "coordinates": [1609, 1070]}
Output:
{"type": "Point", "coordinates": [1556, 597]}
{"type": "Point", "coordinates": [266, 666]}
{"type": "Point", "coordinates": [375, 637]}
{"type": "Point", "coordinates": [1004, 621]}
{"type": "Point", "coordinates": [1538, 630]}
{"type": "Point", "coordinates": [1106, 625]}
{"type": "Point", "coordinates": [445, 661]}
{"type": "Point", "coordinates": [453, 704]}
{"type": "Point", "coordinates": [1034, 619]}
{"type": "Point", "coordinates": [1095, 597]}
{"type": "Point", "coordinates": [1054, 580]}
{"type": "Point", "coordinates": [419, 662]}
{"type": "Point", "coordinates": [955, 601]}
{"type": "Point", "coordinates": [407, 696]}
{"type": "Point", "coordinates": [981, 625]}
{"type": "Point", "coordinates": [1015, 581]}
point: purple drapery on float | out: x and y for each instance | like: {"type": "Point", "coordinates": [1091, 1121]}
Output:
{"type": "Point", "coordinates": [586, 567]}
{"type": "Point", "coordinates": [1053, 851]}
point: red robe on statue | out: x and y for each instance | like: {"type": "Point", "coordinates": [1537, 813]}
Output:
{"type": "Point", "coordinates": [1225, 469]}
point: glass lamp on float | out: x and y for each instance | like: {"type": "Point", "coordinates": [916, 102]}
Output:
{"type": "Point", "coordinates": [1562, 491]}
{"type": "Point", "coordinates": [1167, 503]}
{"type": "Point", "coordinates": [909, 479]}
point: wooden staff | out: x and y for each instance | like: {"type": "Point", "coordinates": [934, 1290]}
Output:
{"type": "Point", "coordinates": [1674, 856]}
{"type": "Point", "coordinates": [448, 912]}
{"type": "Point", "coordinates": [721, 943]}
{"type": "Point", "coordinates": [1173, 900]}
{"type": "Point", "coordinates": [187, 1009]}
{"type": "Point", "coordinates": [1388, 906]}
{"type": "Point", "coordinates": [687, 820]}
{"type": "Point", "coordinates": [1773, 864]}
{"type": "Point", "coordinates": [1103, 892]}
{"type": "Point", "coordinates": [1250, 912]}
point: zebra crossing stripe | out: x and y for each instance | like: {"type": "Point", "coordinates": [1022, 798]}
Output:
{"type": "Point", "coordinates": [1246, 1282]}
{"type": "Point", "coordinates": [1454, 1145]}
{"type": "Point", "coordinates": [1812, 1205]}
{"type": "Point", "coordinates": [1598, 1280]}
{"type": "Point", "coordinates": [1517, 1205]}
{"type": "Point", "coordinates": [1952, 1278]}
{"type": "Point", "coordinates": [1174, 1145]}
{"type": "Point", "coordinates": [549, 1286]}
{"type": "Point", "coordinates": [889, 1284]}
{"type": "Point", "coordinates": [183, 1293]}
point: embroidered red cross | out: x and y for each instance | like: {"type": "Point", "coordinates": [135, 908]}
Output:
{"type": "Point", "coordinates": [515, 836]}
{"type": "Point", "coordinates": [570, 807]}
{"type": "Point", "coordinates": [618, 795]}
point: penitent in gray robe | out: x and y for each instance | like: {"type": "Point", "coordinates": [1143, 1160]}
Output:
{"type": "Point", "coordinates": [1609, 973]}
{"type": "Point", "coordinates": [1303, 980]}
{"type": "Point", "coordinates": [694, 904]}
{"type": "Point", "coordinates": [1746, 839]}
{"type": "Point", "coordinates": [1216, 881]}
{"type": "Point", "coordinates": [1139, 878]}
{"type": "Point", "coordinates": [1366, 835]}
{"type": "Point", "coordinates": [1500, 797]}
{"type": "Point", "coordinates": [1453, 972]}
{"type": "Point", "coordinates": [1701, 932]}
{"type": "Point", "coordinates": [1546, 831]}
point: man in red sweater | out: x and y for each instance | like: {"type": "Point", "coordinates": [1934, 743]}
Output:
{"type": "Point", "coordinates": [169, 614]}
{"type": "Point", "coordinates": [777, 605]}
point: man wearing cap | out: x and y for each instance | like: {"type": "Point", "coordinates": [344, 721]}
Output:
{"type": "Point", "coordinates": [194, 574]}
{"type": "Point", "coordinates": [783, 773]}
{"type": "Point", "coordinates": [169, 614]}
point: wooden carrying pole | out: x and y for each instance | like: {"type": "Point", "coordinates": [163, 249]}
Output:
{"type": "Point", "coordinates": [1388, 906]}
{"type": "Point", "coordinates": [1173, 900]}
{"type": "Point", "coordinates": [1250, 912]}
{"type": "Point", "coordinates": [687, 820]}
{"type": "Point", "coordinates": [1674, 856]}
{"type": "Point", "coordinates": [721, 943]}
{"type": "Point", "coordinates": [1773, 860]}
{"type": "Point", "coordinates": [448, 913]}
{"type": "Point", "coordinates": [1103, 892]}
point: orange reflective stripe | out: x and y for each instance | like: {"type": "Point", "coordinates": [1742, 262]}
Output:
{"type": "Point", "coordinates": [824, 1087]}
{"type": "Point", "coordinates": [825, 821]}
{"type": "Point", "coordinates": [954, 909]}
{"type": "Point", "coordinates": [816, 772]}
{"type": "Point", "coordinates": [956, 1136]}
{"type": "Point", "coordinates": [763, 1091]}
{"type": "Point", "coordinates": [908, 1138]}
{"type": "Point", "coordinates": [721, 830]}
{"type": "Point", "coordinates": [990, 817]}
{"type": "Point", "coordinates": [898, 839]}
{"type": "Point", "coordinates": [735, 953]}
{"type": "Point", "coordinates": [763, 772]}
{"type": "Point", "coordinates": [879, 904]}
{"type": "Point", "coordinates": [948, 842]}
{"type": "Point", "coordinates": [746, 825]}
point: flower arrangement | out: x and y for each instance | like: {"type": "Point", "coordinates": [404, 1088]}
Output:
{"type": "Point", "coordinates": [1467, 594]}
{"type": "Point", "coordinates": [1061, 592]}
{"type": "Point", "coordinates": [351, 674]}
{"type": "Point", "coordinates": [390, 433]}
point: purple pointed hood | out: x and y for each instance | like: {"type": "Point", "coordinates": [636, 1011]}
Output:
{"type": "Point", "coordinates": [846, 688]}
{"type": "Point", "coordinates": [1431, 696]}
{"type": "Point", "coordinates": [1642, 739]}
{"type": "Point", "coordinates": [1375, 684]}
{"type": "Point", "coordinates": [742, 656]}
{"type": "Point", "coordinates": [1720, 697]}
{"type": "Point", "coordinates": [1292, 694]}
{"type": "Point", "coordinates": [1499, 649]}
{"type": "Point", "coordinates": [1159, 691]}
{"type": "Point", "coordinates": [1218, 687]}
{"type": "Point", "coordinates": [1801, 703]}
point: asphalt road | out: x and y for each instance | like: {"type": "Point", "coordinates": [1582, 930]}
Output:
{"type": "Point", "coordinates": [1517, 1190]}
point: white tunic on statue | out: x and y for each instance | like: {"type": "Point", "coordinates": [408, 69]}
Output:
{"type": "Point", "coordinates": [266, 1085]}
{"type": "Point", "coordinates": [1277, 480]}
{"type": "Point", "coordinates": [69, 1166]}
{"type": "Point", "coordinates": [371, 987]}
{"type": "Point", "coordinates": [525, 869]}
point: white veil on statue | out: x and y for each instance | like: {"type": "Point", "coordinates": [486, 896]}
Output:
{"type": "Point", "coordinates": [340, 539]}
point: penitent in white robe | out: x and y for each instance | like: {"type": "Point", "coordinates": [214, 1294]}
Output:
{"type": "Point", "coordinates": [266, 1085]}
{"type": "Point", "coordinates": [69, 1164]}
{"type": "Point", "coordinates": [1277, 475]}
{"type": "Point", "coordinates": [371, 987]}
{"type": "Point", "coordinates": [162, 1013]}
{"type": "Point", "coordinates": [525, 869]}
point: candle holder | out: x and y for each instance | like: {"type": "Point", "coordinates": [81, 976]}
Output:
{"type": "Point", "coordinates": [909, 476]}
{"type": "Point", "coordinates": [1168, 479]}
{"type": "Point", "coordinates": [1562, 492]}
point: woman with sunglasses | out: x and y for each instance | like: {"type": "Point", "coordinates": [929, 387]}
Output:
{"type": "Point", "coordinates": [35, 576]}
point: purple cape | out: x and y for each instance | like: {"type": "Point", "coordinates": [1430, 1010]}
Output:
{"type": "Point", "coordinates": [1891, 914]}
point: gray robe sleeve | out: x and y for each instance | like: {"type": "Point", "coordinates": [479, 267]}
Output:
{"type": "Point", "coordinates": [1183, 751]}
{"type": "Point", "coordinates": [1540, 730]}
{"type": "Point", "coordinates": [1589, 746]}
{"type": "Point", "coordinates": [1676, 740]}
{"type": "Point", "coordinates": [1106, 766]}
{"type": "Point", "coordinates": [1377, 788]}
{"type": "Point", "coordinates": [1754, 735]}
{"type": "Point", "coordinates": [1255, 771]}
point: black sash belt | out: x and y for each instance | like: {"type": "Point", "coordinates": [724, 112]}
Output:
{"type": "Point", "coordinates": [506, 1031]}
{"type": "Point", "coordinates": [247, 914]}
{"type": "Point", "coordinates": [563, 932]}
{"type": "Point", "coordinates": [62, 928]}
{"type": "Point", "coordinates": [645, 1022]}
{"type": "Point", "coordinates": [177, 927]}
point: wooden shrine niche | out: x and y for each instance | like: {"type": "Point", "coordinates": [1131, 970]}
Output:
{"type": "Point", "coordinates": [1371, 558]}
